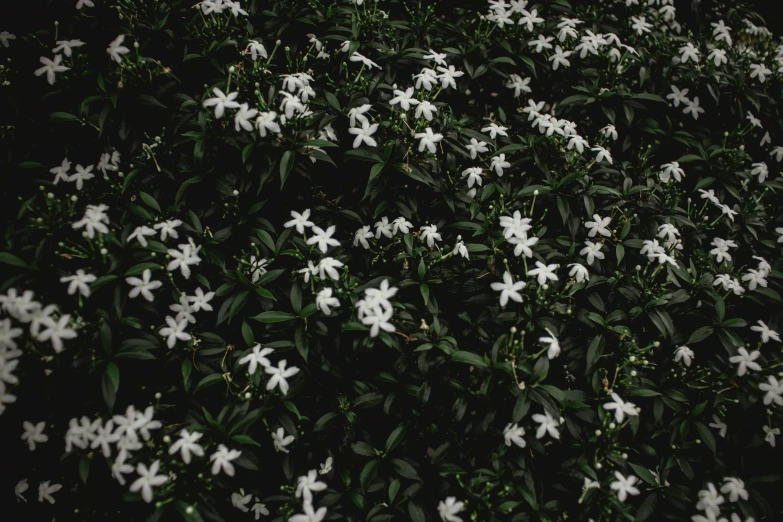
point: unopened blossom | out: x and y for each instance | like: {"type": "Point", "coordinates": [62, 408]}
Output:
{"type": "Point", "coordinates": [621, 408]}
{"type": "Point", "coordinates": [279, 375]}
{"type": "Point", "coordinates": [221, 102]}
{"type": "Point", "coordinates": [45, 490]}
{"type": "Point", "coordinates": [746, 361]}
{"type": "Point", "coordinates": [546, 424]}
{"type": "Point", "coordinates": [685, 354]}
{"type": "Point", "coordinates": [116, 49]}
{"type": "Point", "coordinates": [428, 139]}
{"type": "Point", "coordinates": [449, 508]}
{"type": "Point", "coordinates": [514, 433]}
{"type": "Point", "coordinates": [552, 342]}
{"type": "Point", "coordinates": [50, 67]}
{"type": "Point", "coordinates": [308, 484]}
{"type": "Point", "coordinates": [624, 486]}
{"type": "Point", "coordinates": [187, 445]}
{"type": "Point", "coordinates": [508, 289]}
{"type": "Point", "coordinates": [222, 458]}
{"type": "Point", "coordinates": [280, 440]}
{"type": "Point", "coordinates": [33, 433]}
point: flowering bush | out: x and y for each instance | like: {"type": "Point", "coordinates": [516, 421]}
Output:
{"type": "Point", "coordinates": [391, 260]}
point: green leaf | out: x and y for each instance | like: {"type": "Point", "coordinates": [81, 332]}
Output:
{"type": "Point", "coordinates": [245, 439]}
{"type": "Point", "coordinates": [469, 358]}
{"type": "Point", "coordinates": [209, 380]}
{"type": "Point", "coordinates": [706, 436]}
{"type": "Point", "coordinates": [63, 116]}
{"type": "Point", "coordinates": [404, 469]}
{"type": "Point", "coordinates": [325, 420]}
{"type": "Point", "coordinates": [688, 158]}
{"type": "Point", "coordinates": [700, 334]}
{"type": "Point", "coordinates": [84, 469]}
{"type": "Point", "coordinates": [644, 474]}
{"type": "Point", "coordinates": [274, 317]}
{"type": "Point", "coordinates": [395, 437]}
{"type": "Point", "coordinates": [647, 508]}
{"type": "Point", "coordinates": [10, 259]}
{"type": "Point", "coordinates": [286, 165]}
{"type": "Point", "coordinates": [149, 200]}
{"type": "Point", "coordinates": [140, 268]}
{"type": "Point", "coordinates": [368, 472]}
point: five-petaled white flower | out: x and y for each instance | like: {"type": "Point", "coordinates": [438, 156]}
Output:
{"type": "Point", "coordinates": [66, 46]}
{"type": "Point", "coordinates": [300, 221]}
{"type": "Point", "coordinates": [404, 98]}
{"type": "Point", "coordinates": [307, 485]}
{"type": "Point", "coordinates": [56, 332]}
{"type": "Point", "coordinates": [546, 424]}
{"type": "Point", "coordinates": [621, 408]}
{"type": "Point", "coordinates": [116, 49]}
{"type": "Point", "coordinates": [256, 357]}
{"type": "Point", "coordinates": [222, 458]}
{"type": "Point", "coordinates": [543, 272]}
{"type": "Point", "coordinates": [148, 477]}
{"type": "Point", "coordinates": [256, 49]}
{"type": "Point", "coordinates": [428, 139]}
{"type": "Point", "coordinates": [45, 490]}
{"type": "Point", "coordinates": [324, 300]}
{"type": "Point", "coordinates": [685, 354]}
{"type": "Point", "coordinates": [579, 272]}
{"type": "Point", "coordinates": [33, 433]}
{"type": "Point", "coordinates": [175, 330]}
{"type": "Point", "coordinates": [448, 510]}
{"type": "Point", "coordinates": [475, 146]}
{"type": "Point", "coordinates": [50, 67]}
{"type": "Point", "coordinates": [765, 331]}
{"type": "Point", "coordinates": [186, 444]}
{"type": "Point", "coordinates": [280, 440]}
{"type": "Point", "coordinates": [79, 282]}
{"type": "Point", "coordinates": [719, 425]}
{"type": "Point", "coordinates": [311, 514]}
{"type": "Point", "coordinates": [323, 238]}
{"type": "Point", "coordinates": [554, 344]}
{"type": "Point", "coordinates": [508, 288]}
{"type": "Point", "coordinates": [143, 286]}
{"type": "Point", "coordinates": [363, 134]}
{"type": "Point", "coordinates": [746, 361]}
{"type": "Point", "coordinates": [221, 101]}
{"type": "Point", "coordinates": [710, 500]}
{"type": "Point", "coordinates": [279, 375]}
{"type": "Point", "coordinates": [671, 169]}
{"type": "Point", "coordinates": [599, 226]}
{"type": "Point", "coordinates": [624, 486]}
{"type": "Point", "coordinates": [495, 130]}
{"type": "Point", "coordinates": [735, 488]}
{"type": "Point", "coordinates": [514, 433]}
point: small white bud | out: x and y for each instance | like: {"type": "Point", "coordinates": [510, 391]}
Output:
{"type": "Point", "coordinates": [158, 395]}
{"type": "Point", "coordinates": [104, 251]}
{"type": "Point", "coordinates": [535, 192]}
{"type": "Point", "coordinates": [74, 198]}
{"type": "Point", "coordinates": [236, 192]}
{"type": "Point", "coordinates": [612, 426]}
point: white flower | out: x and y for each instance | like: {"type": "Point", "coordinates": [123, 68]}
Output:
{"type": "Point", "coordinates": [428, 139]}
{"type": "Point", "coordinates": [256, 49]}
{"type": "Point", "coordinates": [518, 84]}
{"type": "Point", "coordinates": [326, 467]}
{"type": "Point", "coordinates": [684, 353]}
{"type": "Point", "coordinates": [756, 278]}
{"type": "Point", "coordinates": [402, 225]}
{"type": "Point", "coordinates": [599, 226]}
{"type": "Point", "coordinates": [362, 235]}
{"type": "Point", "coordinates": [559, 58]}
{"type": "Point", "coordinates": [280, 440]}
{"type": "Point", "coordinates": [710, 500]}
{"type": "Point", "coordinates": [300, 221]}
{"type": "Point", "coordinates": [116, 49]}
{"type": "Point", "coordinates": [143, 286]}
{"type": "Point", "coordinates": [760, 71]}
{"type": "Point", "coordinates": [259, 509]}
{"type": "Point", "coordinates": [357, 113]}
{"type": "Point", "coordinates": [438, 58]}
{"type": "Point", "coordinates": [426, 79]}
{"type": "Point", "coordinates": [326, 267]}
{"type": "Point", "coordinates": [66, 46]}
{"type": "Point", "coordinates": [311, 515]}
{"type": "Point", "coordinates": [760, 169]}
{"type": "Point", "coordinates": [430, 234]}
{"type": "Point", "coordinates": [61, 172]}
{"type": "Point", "coordinates": [579, 142]}
{"type": "Point", "coordinates": [671, 169]}
{"type": "Point", "coordinates": [522, 246]}
{"type": "Point", "coordinates": [427, 109]}
{"type": "Point", "coordinates": [187, 445]}
{"type": "Point", "coordinates": [168, 228]}
{"type": "Point", "coordinates": [258, 356]}
{"type": "Point", "coordinates": [579, 272]}
{"type": "Point", "coordinates": [508, 288]}
{"type": "Point", "coordinates": [200, 301]}
{"type": "Point", "coordinates": [147, 479]}
{"type": "Point", "coordinates": [33, 433]}
{"type": "Point", "coordinates": [243, 116]}
{"type": "Point", "coordinates": [279, 376]}
{"type": "Point", "coordinates": [718, 56]}
{"type": "Point", "coordinates": [448, 76]}
{"type": "Point", "coordinates": [356, 57]}
{"type": "Point", "coordinates": [309, 270]}
{"type": "Point", "coordinates": [543, 272]}
{"type": "Point", "coordinates": [693, 108]}
{"type": "Point", "coordinates": [689, 52]}
{"type": "Point", "coordinates": [498, 163]}
{"type": "Point", "coordinates": [22, 485]}
{"type": "Point", "coordinates": [677, 96]}
{"type": "Point", "coordinates": [222, 458]}
{"type": "Point", "coordinates": [514, 433]}
{"type": "Point", "coordinates": [51, 67]}
{"type": "Point", "coordinates": [745, 361]}
{"type": "Point", "coordinates": [240, 500]}
{"type": "Point", "coordinates": [363, 134]}
{"type": "Point", "coordinates": [448, 510]}
{"type": "Point", "coordinates": [640, 25]}
{"type": "Point", "coordinates": [494, 130]}
{"type": "Point", "coordinates": [82, 3]}
{"type": "Point", "coordinates": [45, 491]}
{"type": "Point", "coordinates": [602, 155]}
{"type": "Point", "coordinates": [323, 238]}
{"type": "Point", "coordinates": [546, 423]}
{"type": "Point", "coordinates": [770, 434]}
{"type": "Point", "coordinates": [175, 330]}
{"type": "Point", "coordinates": [104, 436]}
{"type": "Point", "coordinates": [82, 174]}
{"type": "Point", "coordinates": [221, 101]}
{"type": "Point", "coordinates": [621, 408]}
{"type": "Point", "coordinates": [766, 333]}
{"type": "Point", "coordinates": [324, 299]}
{"type": "Point", "coordinates": [404, 98]}
{"type": "Point", "coordinates": [266, 122]}
{"type": "Point", "coordinates": [718, 424]}
{"type": "Point", "coordinates": [79, 282]}
{"type": "Point", "coordinates": [307, 485]}
{"type": "Point", "coordinates": [119, 469]}
{"type": "Point", "coordinates": [184, 257]}
{"type": "Point", "coordinates": [774, 389]}
{"type": "Point", "coordinates": [554, 344]}
{"type": "Point", "coordinates": [610, 132]}
{"type": "Point", "coordinates": [735, 488]}
{"type": "Point", "coordinates": [624, 486]}
{"type": "Point", "coordinates": [462, 249]}
{"type": "Point", "coordinates": [475, 146]}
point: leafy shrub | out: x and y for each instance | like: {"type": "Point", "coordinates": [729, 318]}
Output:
{"type": "Point", "coordinates": [391, 260]}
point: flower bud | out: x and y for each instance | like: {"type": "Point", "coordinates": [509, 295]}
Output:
{"type": "Point", "coordinates": [612, 425]}
{"type": "Point", "coordinates": [657, 344]}
{"type": "Point", "coordinates": [236, 192]}
{"type": "Point", "coordinates": [535, 192]}
{"type": "Point", "coordinates": [248, 395]}
{"type": "Point", "coordinates": [189, 510]}
{"type": "Point", "coordinates": [598, 465]}
{"type": "Point", "coordinates": [597, 433]}
{"type": "Point", "coordinates": [104, 251]}
{"type": "Point", "coordinates": [167, 439]}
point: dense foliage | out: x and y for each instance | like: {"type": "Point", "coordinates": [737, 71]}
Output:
{"type": "Point", "coordinates": [391, 260]}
